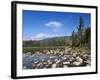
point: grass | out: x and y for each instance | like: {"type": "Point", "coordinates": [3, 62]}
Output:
{"type": "Point", "coordinates": [41, 49]}
{"type": "Point", "coordinates": [82, 50]}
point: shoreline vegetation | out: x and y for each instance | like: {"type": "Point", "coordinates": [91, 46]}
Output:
{"type": "Point", "coordinates": [59, 52]}
{"type": "Point", "coordinates": [56, 50]}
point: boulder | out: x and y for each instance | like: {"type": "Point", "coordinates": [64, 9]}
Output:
{"type": "Point", "coordinates": [66, 63]}
{"type": "Point", "coordinates": [78, 61]}
{"type": "Point", "coordinates": [54, 65]}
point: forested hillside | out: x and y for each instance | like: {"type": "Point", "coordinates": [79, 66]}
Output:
{"type": "Point", "coordinates": [55, 41]}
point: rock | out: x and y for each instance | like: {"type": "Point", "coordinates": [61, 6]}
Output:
{"type": "Point", "coordinates": [66, 50]}
{"type": "Point", "coordinates": [59, 58]}
{"type": "Point", "coordinates": [51, 51]}
{"type": "Point", "coordinates": [52, 57]}
{"type": "Point", "coordinates": [72, 58]}
{"type": "Point", "coordinates": [54, 65]}
{"type": "Point", "coordinates": [64, 58]}
{"type": "Point", "coordinates": [24, 67]}
{"type": "Point", "coordinates": [65, 66]}
{"type": "Point", "coordinates": [55, 52]}
{"type": "Point", "coordinates": [48, 66]}
{"type": "Point", "coordinates": [86, 56]}
{"type": "Point", "coordinates": [67, 62]}
{"type": "Point", "coordinates": [47, 52]}
{"type": "Point", "coordinates": [49, 62]}
{"type": "Point", "coordinates": [88, 65]}
{"type": "Point", "coordinates": [61, 53]}
{"type": "Point", "coordinates": [56, 60]}
{"type": "Point", "coordinates": [33, 65]}
{"type": "Point", "coordinates": [39, 65]}
{"type": "Point", "coordinates": [88, 62]}
{"type": "Point", "coordinates": [38, 52]}
{"type": "Point", "coordinates": [78, 61]}
{"type": "Point", "coordinates": [45, 63]}
{"type": "Point", "coordinates": [74, 54]}
{"type": "Point", "coordinates": [36, 62]}
{"type": "Point", "coordinates": [28, 53]}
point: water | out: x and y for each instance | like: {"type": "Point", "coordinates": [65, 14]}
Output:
{"type": "Point", "coordinates": [36, 58]}
{"type": "Point", "coordinates": [41, 60]}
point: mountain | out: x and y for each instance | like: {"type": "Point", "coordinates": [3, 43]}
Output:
{"type": "Point", "coordinates": [54, 41]}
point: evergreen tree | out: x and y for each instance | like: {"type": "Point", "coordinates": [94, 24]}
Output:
{"type": "Point", "coordinates": [78, 37]}
{"type": "Point", "coordinates": [80, 32]}
{"type": "Point", "coordinates": [87, 36]}
{"type": "Point", "coordinates": [73, 38]}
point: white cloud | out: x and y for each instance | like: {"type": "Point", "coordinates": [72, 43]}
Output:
{"type": "Point", "coordinates": [42, 36]}
{"type": "Point", "coordinates": [54, 25]}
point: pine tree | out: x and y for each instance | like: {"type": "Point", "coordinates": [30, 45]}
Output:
{"type": "Point", "coordinates": [80, 32]}
{"type": "Point", "coordinates": [87, 36]}
{"type": "Point", "coordinates": [78, 37]}
{"type": "Point", "coordinates": [73, 38]}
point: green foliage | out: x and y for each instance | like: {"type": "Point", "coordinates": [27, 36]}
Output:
{"type": "Point", "coordinates": [82, 36]}
{"type": "Point", "coordinates": [87, 36]}
{"type": "Point", "coordinates": [55, 41]}
{"type": "Point", "coordinates": [80, 32]}
{"type": "Point", "coordinates": [28, 43]}
{"type": "Point", "coordinates": [73, 38]}
{"type": "Point", "coordinates": [41, 49]}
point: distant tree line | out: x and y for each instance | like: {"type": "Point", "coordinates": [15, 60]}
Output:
{"type": "Point", "coordinates": [57, 41]}
{"type": "Point", "coordinates": [81, 37]}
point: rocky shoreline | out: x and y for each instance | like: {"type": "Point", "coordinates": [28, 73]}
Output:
{"type": "Point", "coordinates": [55, 59]}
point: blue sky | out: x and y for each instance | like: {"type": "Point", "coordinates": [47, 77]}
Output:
{"type": "Point", "coordinates": [39, 25]}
